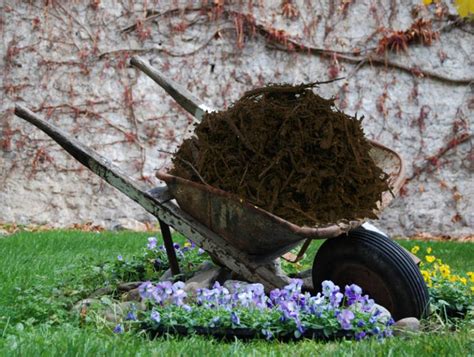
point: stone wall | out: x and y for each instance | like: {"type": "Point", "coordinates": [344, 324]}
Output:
{"type": "Point", "coordinates": [68, 61]}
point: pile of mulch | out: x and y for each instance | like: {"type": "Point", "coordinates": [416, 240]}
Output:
{"type": "Point", "coordinates": [289, 151]}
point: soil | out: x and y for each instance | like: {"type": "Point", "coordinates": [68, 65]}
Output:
{"type": "Point", "coordinates": [289, 151]}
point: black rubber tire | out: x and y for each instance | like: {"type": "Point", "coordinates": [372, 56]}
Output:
{"type": "Point", "coordinates": [381, 267]}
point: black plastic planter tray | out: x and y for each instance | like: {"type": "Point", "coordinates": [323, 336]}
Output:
{"type": "Point", "coordinates": [241, 333]}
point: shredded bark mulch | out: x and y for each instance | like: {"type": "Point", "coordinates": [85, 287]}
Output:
{"type": "Point", "coordinates": [289, 151]}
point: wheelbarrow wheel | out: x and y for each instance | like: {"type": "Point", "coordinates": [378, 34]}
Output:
{"type": "Point", "coordinates": [382, 268]}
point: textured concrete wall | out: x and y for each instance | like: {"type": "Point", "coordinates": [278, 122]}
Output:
{"type": "Point", "coordinates": [68, 62]}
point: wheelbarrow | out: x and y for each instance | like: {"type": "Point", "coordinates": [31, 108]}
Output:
{"type": "Point", "coordinates": [249, 240]}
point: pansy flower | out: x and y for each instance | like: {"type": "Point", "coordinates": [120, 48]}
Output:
{"type": "Point", "coordinates": [151, 243]}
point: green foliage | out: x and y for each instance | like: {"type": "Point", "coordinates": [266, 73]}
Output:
{"type": "Point", "coordinates": [451, 293]}
{"type": "Point", "coordinates": [450, 299]}
{"type": "Point", "coordinates": [53, 260]}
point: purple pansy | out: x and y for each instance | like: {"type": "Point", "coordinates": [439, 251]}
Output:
{"type": "Point", "coordinates": [131, 316]}
{"type": "Point", "coordinates": [215, 321]}
{"type": "Point", "coordinates": [163, 292]}
{"type": "Point", "coordinates": [155, 316]}
{"type": "Point", "coordinates": [360, 335]}
{"type": "Point", "coordinates": [345, 319]}
{"type": "Point", "coordinates": [353, 294]}
{"type": "Point", "coordinates": [328, 287]}
{"type": "Point", "coordinates": [151, 243]}
{"type": "Point", "coordinates": [293, 305]}
{"type": "Point", "coordinates": [118, 329]}
{"type": "Point", "coordinates": [376, 330]}
{"type": "Point", "coordinates": [234, 318]}
{"type": "Point", "coordinates": [146, 290]}
{"type": "Point", "coordinates": [367, 303]}
{"type": "Point", "coordinates": [335, 299]}
{"type": "Point", "coordinates": [186, 307]}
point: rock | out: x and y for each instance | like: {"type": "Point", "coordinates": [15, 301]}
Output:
{"type": "Point", "coordinates": [3, 232]}
{"type": "Point", "coordinates": [166, 275]}
{"type": "Point", "coordinates": [202, 268]}
{"type": "Point", "coordinates": [113, 314]}
{"type": "Point", "coordinates": [124, 287]}
{"type": "Point", "coordinates": [118, 311]}
{"type": "Point", "coordinates": [85, 303]}
{"type": "Point", "coordinates": [308, 284]}
{"type": "Point", "coordinates": [224, 273]}
{"type": "Point", "coordinates": [129, 224]}
{"type": "Point", "coordinates": [101, 292]}
{"type": "Point", "coordinates": [132, 295]}
{"type": "Point", "coordinates": [206, 265]}
{"type": "Point", "coordinates": [236, 285]}
{"type": "Point", "coordinates": [384, 315]}
{"type": "Point", "coordinates": [203, 279]}
{"type": "Point", "coordinates": [304, 274]}
{"type": "Point", "coordinates": [408, 324]}
{"type": "Point", "coordinates": [191, 289]}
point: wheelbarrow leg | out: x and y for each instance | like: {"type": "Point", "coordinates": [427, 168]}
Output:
{"type": "Point", "coordinates": [162, 194]}
{"type": "Point", "coordinates": [166, 234]}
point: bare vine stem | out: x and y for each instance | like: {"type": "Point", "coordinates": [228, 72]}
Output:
{"type": "Point", "coordinates": [295, 46]}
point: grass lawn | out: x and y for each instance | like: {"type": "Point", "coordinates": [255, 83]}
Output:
{"type": "Point", "coordinates": [41, 260]}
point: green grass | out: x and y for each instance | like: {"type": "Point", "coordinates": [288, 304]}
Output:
{"type": "Point", "coordinates": [72, 341]}
{"type": "Point", "coordinates": [28, 259]}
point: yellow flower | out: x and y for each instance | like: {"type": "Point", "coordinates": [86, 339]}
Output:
{"type": "Point", "coordinates": [415, 249]}
{"type": "Point", "coordinates": [470, 274]}
{"type": "Point", "coordinates": [429, 250]}
{"type": "Point", "coordinates": [445, 271]}
{"type": "Point", "coordinates": [465, 7]}
{"type": "Point", "coordinates": [430, 258]}
{"type": "Point", "coordinates": [427, 2]}
{"type": "Point", "coordinates": [453, 278]}
{"type": "Point", "coordinates": [426, 275]}
{"type": "Point", "coordinates": [463, 281]}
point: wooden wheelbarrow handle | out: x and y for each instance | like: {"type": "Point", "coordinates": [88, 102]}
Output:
{"type": "Point", "coordinates": [258, 269]}
{"type": "Point", "coordinates": [184, 97]}
{"type": "Point", "coordinates": [109, 172]}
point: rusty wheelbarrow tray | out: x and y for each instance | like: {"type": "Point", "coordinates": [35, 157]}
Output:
{"type": "Point", "coordinates": [246, 239]}
{"type": "Point", "coordinates": [259, 232]}
{"type": "Point", "coordinates": [243, 225]}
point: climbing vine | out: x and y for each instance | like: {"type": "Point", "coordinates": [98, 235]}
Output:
{"type": "Point", "coordinates": [97, 44]}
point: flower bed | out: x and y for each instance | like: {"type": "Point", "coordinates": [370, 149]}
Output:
{"type": "Point", "coordinates": [245, 311]}
{"type": "Point", "coordinates": [451, 295]}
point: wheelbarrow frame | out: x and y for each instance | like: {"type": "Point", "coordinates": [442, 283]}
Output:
{"type": "Point", "coordinates": [159, 203]}
{"type": "Point", "coordinates": [264, 268]}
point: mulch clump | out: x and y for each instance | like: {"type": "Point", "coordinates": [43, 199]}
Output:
{"type": "Point", "coordinates": [289, 151]}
